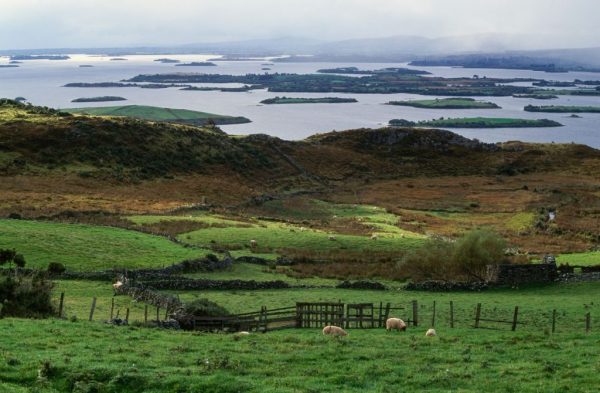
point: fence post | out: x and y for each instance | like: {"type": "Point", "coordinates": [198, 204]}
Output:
{"type": "Point", "coordinates": [61, 304]}
{"type": "Point", "coordinates": [157, 313]}
{"type": "Point", "coordinates": [146, 313]}
{"type": "Point", "coordinates": [514, 322]}
{"type": "Point", "coordinates": [553, 320]}
{"type": "Point", "coordinates": [477, 315]}
{"type": "Point", "coordinates": [127, 315]}
{"type": "Point", "coordinates": [166, 313]}
{"type": "Point", "coordinates": [588, 322]}
{"type": "Point", "coordinates": [387, 313]}
{"type": "Point", "coordinates": [380, 314]}
{"type": "Point", "coordinates": [451, 314]}
{"type": "Point", "coordinates": [433, 315]}
{"type": "Point", "coordinates": [112, 308]}
{"type": "Point", "coordinates": [92, 309]}
{"type": "Point", "coordinates": [415, 313]}
{"type": "Point", "coordinates": [263, 313]}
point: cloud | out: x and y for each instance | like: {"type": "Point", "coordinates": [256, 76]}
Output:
{"type": "Point", "coordinates": [89, 23]}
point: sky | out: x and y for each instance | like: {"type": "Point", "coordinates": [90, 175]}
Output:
{"type": "Point", "coordinates": [29, 24]}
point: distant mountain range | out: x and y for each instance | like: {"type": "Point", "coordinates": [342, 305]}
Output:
{"type": "Point", "coordinates": [386, 49]}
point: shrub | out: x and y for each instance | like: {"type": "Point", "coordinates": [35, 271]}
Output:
{"type": "Point", "coordinates": [10, 256]}
{"type": "Point", "coordinates": [205, 308]}
{"type": "Point", "coordinates": [474, 251]}
{"type": "Point", "coordinates": [56, 268]}
{"type": "Point", "coordinates": [466, 259]}
{"type": "Point", "coordinates": [26, 296]}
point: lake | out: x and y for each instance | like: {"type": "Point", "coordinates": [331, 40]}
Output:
{"type": "Point", "coordinates": [41, 81]}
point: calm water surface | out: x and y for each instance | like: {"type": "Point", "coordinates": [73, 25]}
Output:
{"type": "Point", "coordinates": [41, 81]}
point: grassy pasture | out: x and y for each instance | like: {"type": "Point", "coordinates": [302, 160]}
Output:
{"type": "Point", "coordinates": [90, 248]}
{"type": "Point", "coordinates": [583, 258]}
{"type": "Point", "coordinates": [104, 358]}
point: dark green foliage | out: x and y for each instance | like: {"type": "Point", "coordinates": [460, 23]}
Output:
{"type": "Point", "coordinates": [466, 259]}
{"type": "Point", "coordinates": [10, 256]}
{"type": "Point", "coordinates": [56, 268]}
{"type": "Point", "coordinates": [204, 308]}
{"type": "Point", "coordinates": [26, 296]}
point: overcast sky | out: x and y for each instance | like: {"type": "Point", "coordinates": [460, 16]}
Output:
{"type": "Point", "coordinates": [111, 23]}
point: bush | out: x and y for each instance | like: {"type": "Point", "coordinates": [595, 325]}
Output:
{"type": "Point", "coordinates": [56, 268]}
{"type": "Point", "coordinates": [464, 260]}
{"type": "Point", "coordinates": [204, 308]}
{"type": "Point", "coordinates": [26, 296]}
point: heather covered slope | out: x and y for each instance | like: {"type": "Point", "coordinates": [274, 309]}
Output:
{"type": "Point", "coordinates": [51, 162]}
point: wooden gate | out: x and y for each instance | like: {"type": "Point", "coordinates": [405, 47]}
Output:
{"type": "Point", "coordinates": [360, 315]}
{"type": "Point", "coordinates": [319, 314]}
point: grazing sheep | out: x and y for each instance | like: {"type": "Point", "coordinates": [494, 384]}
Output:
{"type": "Point", "coordinates": [334, 331]}
{"type": "Point", "coordinates": [243, 333]}
{"type": "Point", "coordinates": [253, 243]}
{"type": "Point", "coordinates": [332, 238]}
{"type": "Point", "coordinates": [302, 229]}
{"type": "Point", "coordinates": [117, 285]}
{"type": "Point", "coordinates": [431, 333]}
{"type": "Point", "coordinates": [373, 237]}
{"type": "Point", "coordinates": [395, 323]}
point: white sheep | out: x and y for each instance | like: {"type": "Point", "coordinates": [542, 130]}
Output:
{"type": "Point", "coordinates": [117, 285]}
{"type": "Point", "coordinates": [253, 243]}
{"type": "Point", "coordinates": [332, 238]}
{"type": "Point", "coordinates": [373, 237]}
{"type": "Point", "coordinates": [302, 229]}
{"type": "Point", "coordinates": [242, 333]}
{"type": "Point", "coordinates": [431, 333]}
{"type": "Point", "coordinates": [395, 323]}
{"type": "Point", "coordinates": [334, 331]}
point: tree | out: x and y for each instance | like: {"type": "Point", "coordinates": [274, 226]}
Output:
{"type": "Point", "coordinates": [466, 259]}
{"type": "Point", "coordinates": [475, 250]}
{"type": "Point", "coordinates": [10, 256]}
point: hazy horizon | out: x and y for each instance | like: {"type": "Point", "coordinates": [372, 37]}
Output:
{"type": "Point", "coordinates": [525, 24]}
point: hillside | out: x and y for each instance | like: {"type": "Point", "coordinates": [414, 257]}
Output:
{"type": "Point", "coordinates": [51, 162]}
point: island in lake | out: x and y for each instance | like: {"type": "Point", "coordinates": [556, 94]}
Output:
{"type": "Point", "coordinates": [8, 66]}
{"type": "Point", "coordinates": [377, 83]}
{"type": "Point", "coordinates": [562, 109]}
{"type": "Point", "coordinates": [99, 99]}
{"type": "Point", "coordinates": [357, 71]}
{"type": "Point", "coordinates": [39, 57]}
{"type": "Point", "coordinates": [224, 89]}
{"type": "Point", "coordinates": [85, 65]}
{"type": "Point", "coordinates": [166, 60]}
{"type": "Point", "coordinates": [476, 122]}
{"type": "Point", "coordinates": [447, 103]}
{"type": "Point", "coordinates": [153, 113]}
{"type": "Point", "coordinates": [118, 59]}
{"type": "Point", "coordinates": [535, 96]}
{"type": "Point", "coordinates": [299, 100]}
{"type": "Point", "coordinates": [197, 64]}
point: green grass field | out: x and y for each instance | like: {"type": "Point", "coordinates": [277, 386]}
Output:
{"type": "Point", "coordinates": [152, 113]}
{"type": "Point", "coordinates": [582, 259]}
{"type": "Point", "coordinates": [275, 236]}
{"type": "Point", "coordinates": [447, 103]}
{"type": "Point", "coordinates": [89, 248]}
{"type": "Point", "coordinates": [88, 357]}
{"type": "Point", "coordinates": [272, 236]}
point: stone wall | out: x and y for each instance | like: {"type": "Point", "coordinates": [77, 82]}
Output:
{"type": "Point", "coordinates": [521, 274]}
